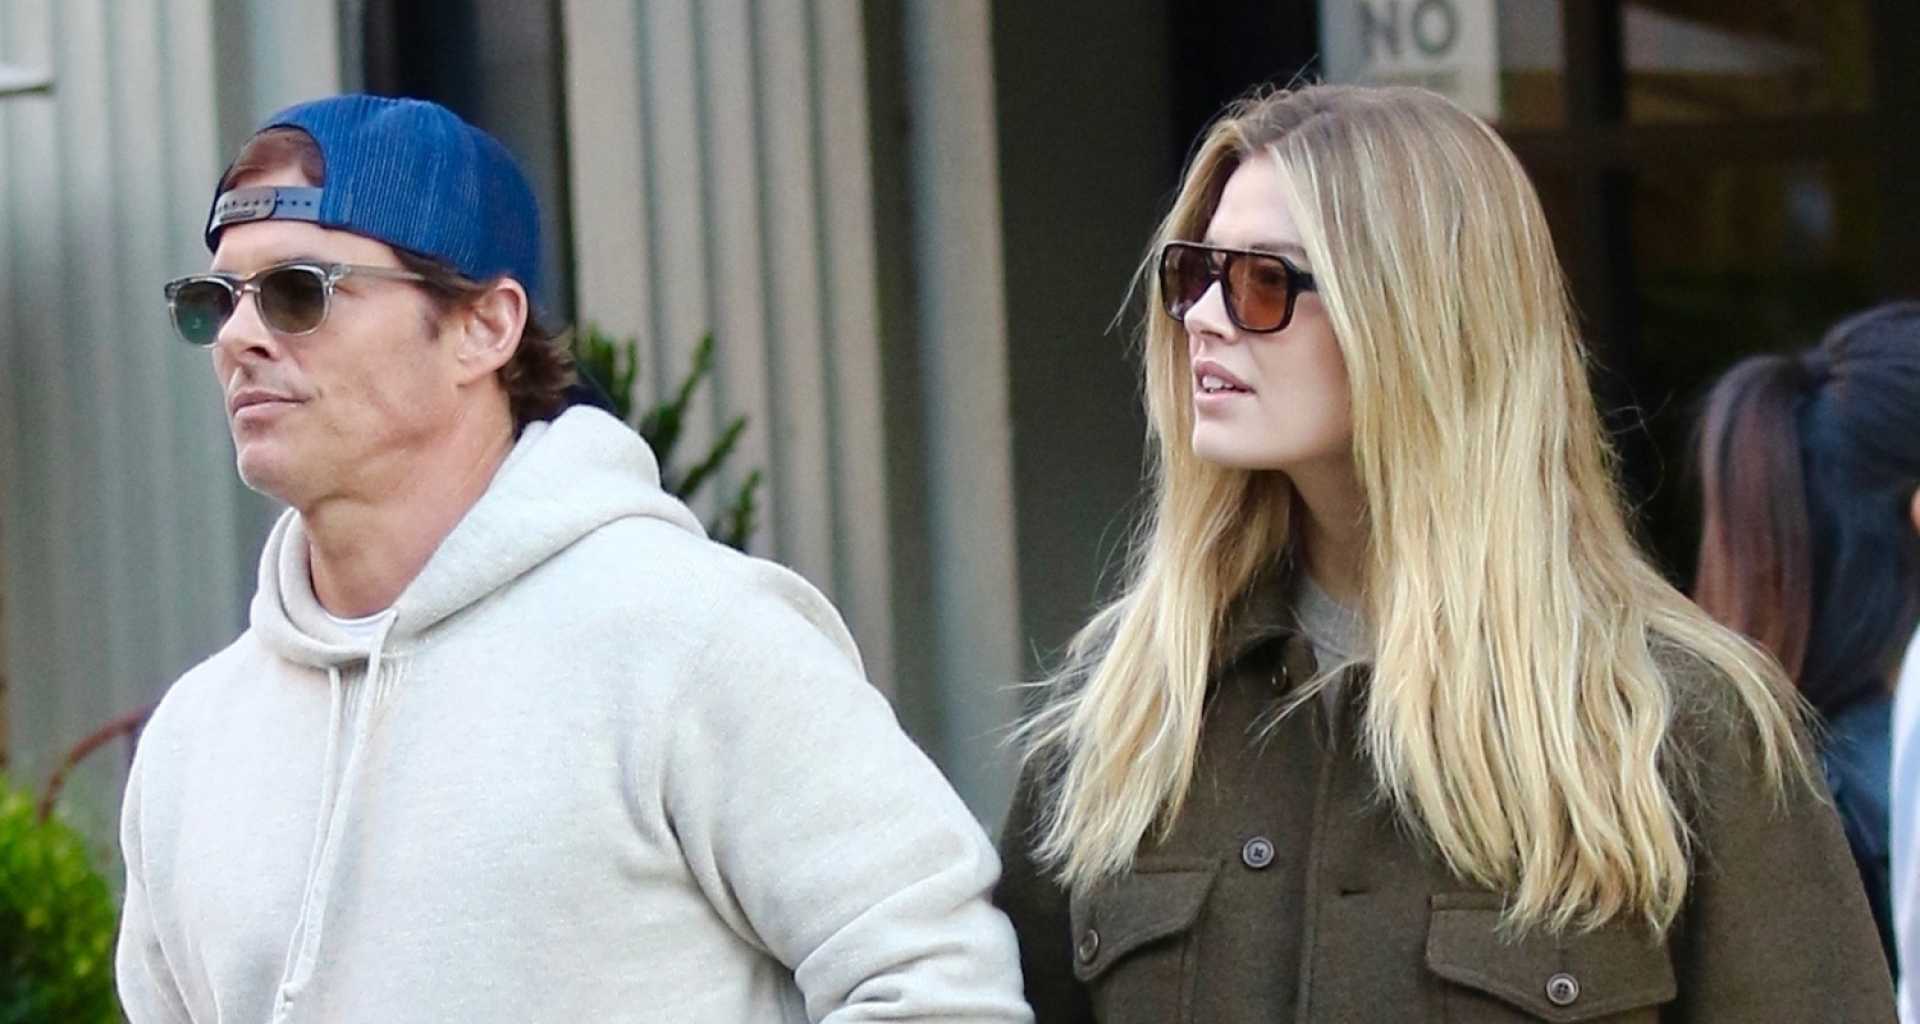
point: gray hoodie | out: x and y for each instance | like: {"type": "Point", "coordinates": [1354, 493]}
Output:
{"type": "Point", "coordinates": [591, 767]}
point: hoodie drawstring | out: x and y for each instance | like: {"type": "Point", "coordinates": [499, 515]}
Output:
{"type": "Point", "coordinates": [336, 805]}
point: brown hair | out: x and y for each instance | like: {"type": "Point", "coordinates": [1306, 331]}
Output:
{"type": "Point", "coordinates": [1807, 464]}
{"type": "Point", "coordinates": [536, 379]}
{"type": "Point", "coordinates": [1755, 572]}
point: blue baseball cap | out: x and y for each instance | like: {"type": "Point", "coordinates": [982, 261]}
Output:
{"type": "Point", "coordinates": [408, 173]}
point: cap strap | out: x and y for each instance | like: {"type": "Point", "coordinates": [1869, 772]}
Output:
{"type": "Point", "coordinates": [265, 202]}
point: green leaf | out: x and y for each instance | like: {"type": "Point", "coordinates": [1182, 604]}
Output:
{"type": "Point", "coordinates": [663, 424]}
{"type": "Point", "coordinates": [614, 364]}
{"type": "Point", "coordinates": [57, 921]}
{"type": "Point", "coordinates": [710, 465]}
{"type": "Point", "coordinates": [736, 523]}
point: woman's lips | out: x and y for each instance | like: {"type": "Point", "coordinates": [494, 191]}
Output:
{"type": "Point", "coordinates": [1212, 379]}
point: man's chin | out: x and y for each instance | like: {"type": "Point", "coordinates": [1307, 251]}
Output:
{"type": "Point", "coordinates": [263, 471]}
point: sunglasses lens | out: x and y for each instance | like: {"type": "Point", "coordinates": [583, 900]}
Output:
{"type": "Point", "coordinates": [200, 309]}
{"type": "Point", "coordinates": [1185, 275]}
{"type": "Point", "coordinates": [1258, 287]}
{"type": "Point", "coordinates": [293, 300]}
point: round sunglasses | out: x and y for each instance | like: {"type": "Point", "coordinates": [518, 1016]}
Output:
{"type": "Point", "coordinates": [1259, 287]}
{"type": "Point", "coordinates": [294, 297]}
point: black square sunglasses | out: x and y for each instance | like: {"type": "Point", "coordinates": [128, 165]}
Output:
{"type": "Point", "coordinates": [294, 297]}
{"type": "Point", "coordinates": [1259, 287]}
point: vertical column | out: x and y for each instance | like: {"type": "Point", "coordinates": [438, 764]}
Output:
{"type": "Point", "coordinates": [863, 548]}
{"type": "Point", "coordinates": [673, 104]}
{"type": "Point", "coordinates": [744, 335]}
{"type": "Point", "coordinates": [39, 389]}
{"type": "Point", "coordinates": [609, 172]}
{"type": "Point", "coordinates": [792, 264]}
{"type": "Point", "coordinates": [214, 523]}
{"type": "Point", "coordinates": [953, 169]}
{"type": "Point", "coordinates": [90, 346]}
{"type": "Point", "coordinates": [9, 487]}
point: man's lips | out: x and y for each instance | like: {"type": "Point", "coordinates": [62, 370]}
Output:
{"type": "Point", "coordinates": [248, 398]}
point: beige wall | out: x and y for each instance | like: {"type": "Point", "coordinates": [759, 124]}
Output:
{"type": "Point", "coordinates": [129, 543]}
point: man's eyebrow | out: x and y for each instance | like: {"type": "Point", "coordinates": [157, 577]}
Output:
{"type": "Point", "coordinates": [278, 261]}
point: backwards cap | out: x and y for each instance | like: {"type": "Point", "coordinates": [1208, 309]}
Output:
{"type": "Point", "coordinates": [408, 173]}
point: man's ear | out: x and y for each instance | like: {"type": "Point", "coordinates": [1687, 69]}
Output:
{"type": "Point", "coordinates": [1913, 509]}
{"type": "Point", "coordinates": [488, 330]}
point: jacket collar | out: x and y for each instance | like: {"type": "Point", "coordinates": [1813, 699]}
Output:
{"type": "Point", "coordinates": [1263, 614]}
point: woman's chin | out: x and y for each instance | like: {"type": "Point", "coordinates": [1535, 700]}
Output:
{"type": "Point", "coordinates": [1221, 448]}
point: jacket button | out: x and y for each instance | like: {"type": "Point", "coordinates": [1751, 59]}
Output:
{"type": "Point", "coordinates": [1258, 853]}
{"type": "Point", "coordinates": [1089, 946]}
{"type": "Point", "coordinates": [1563, 989]}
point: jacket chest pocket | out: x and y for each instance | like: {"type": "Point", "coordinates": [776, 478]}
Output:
{"type": "Point", "coordinates": [1134, 942]}
{"type": "Point", "coordinates": [1615, 974]}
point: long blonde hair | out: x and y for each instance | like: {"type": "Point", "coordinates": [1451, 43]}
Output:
{"type": "Point", "coordinates": [1516, 715]}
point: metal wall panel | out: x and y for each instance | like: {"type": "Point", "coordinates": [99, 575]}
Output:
{"type": "Point", "coordinates": [129, 541]}
{"type": "Point", "coordinates": [965, 410]}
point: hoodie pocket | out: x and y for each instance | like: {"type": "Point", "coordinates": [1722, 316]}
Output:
{"type": "Point", "coordinates": [1134, 943]}
{"type": "Point", "coordinates": [1615, 974]}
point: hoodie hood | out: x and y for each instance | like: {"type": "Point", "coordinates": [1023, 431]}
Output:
{"type": "Point", "coordinates": [562, 481]}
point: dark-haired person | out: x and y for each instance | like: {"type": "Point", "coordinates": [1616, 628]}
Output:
{"type": "Point", "coordinates": [507, 739]}
{"type": "Point", "coordinates": [1810, 543]}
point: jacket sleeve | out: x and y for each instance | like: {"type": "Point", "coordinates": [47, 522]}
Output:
{"type": "Point", "coordinates": [820, 832]}
{"type": "Point", "coordinates": [1039, 909]}
{"type": "Point", "coordinates": [148, 992]}
{"type": "Point", "coordinates": [1776, 926]}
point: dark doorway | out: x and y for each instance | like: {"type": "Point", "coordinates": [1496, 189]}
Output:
{"type": "Point", "coordinates": [505, 72]}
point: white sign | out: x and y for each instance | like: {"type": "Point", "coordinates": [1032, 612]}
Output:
{"type": "Point", "coordinates": [1449, 46]}
{"type": "Point", "coordinates": [19, 80]}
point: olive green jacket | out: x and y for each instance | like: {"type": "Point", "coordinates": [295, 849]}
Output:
{"type": "Point", "coordinates": [1287, 891]}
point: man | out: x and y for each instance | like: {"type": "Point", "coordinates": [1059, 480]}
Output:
{"type": "Point", "coordinates": [507, 739]}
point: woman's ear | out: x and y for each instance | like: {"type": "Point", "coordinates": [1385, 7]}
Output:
{"type": "Point", "coordinates": [490, 328]}
{"type": "Point", "coordinates": [1913, 509]}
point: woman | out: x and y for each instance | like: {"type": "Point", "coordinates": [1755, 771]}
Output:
{"type": "Point", "coordinates": [1392, 721]}
{"type": "Point", "coordinates": [1810, 544]}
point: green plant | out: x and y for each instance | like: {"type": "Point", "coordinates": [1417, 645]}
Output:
{"type": "Point", "coordinates": [57, 921]}
{"type": "Point", "coordinates": [614, 364]}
